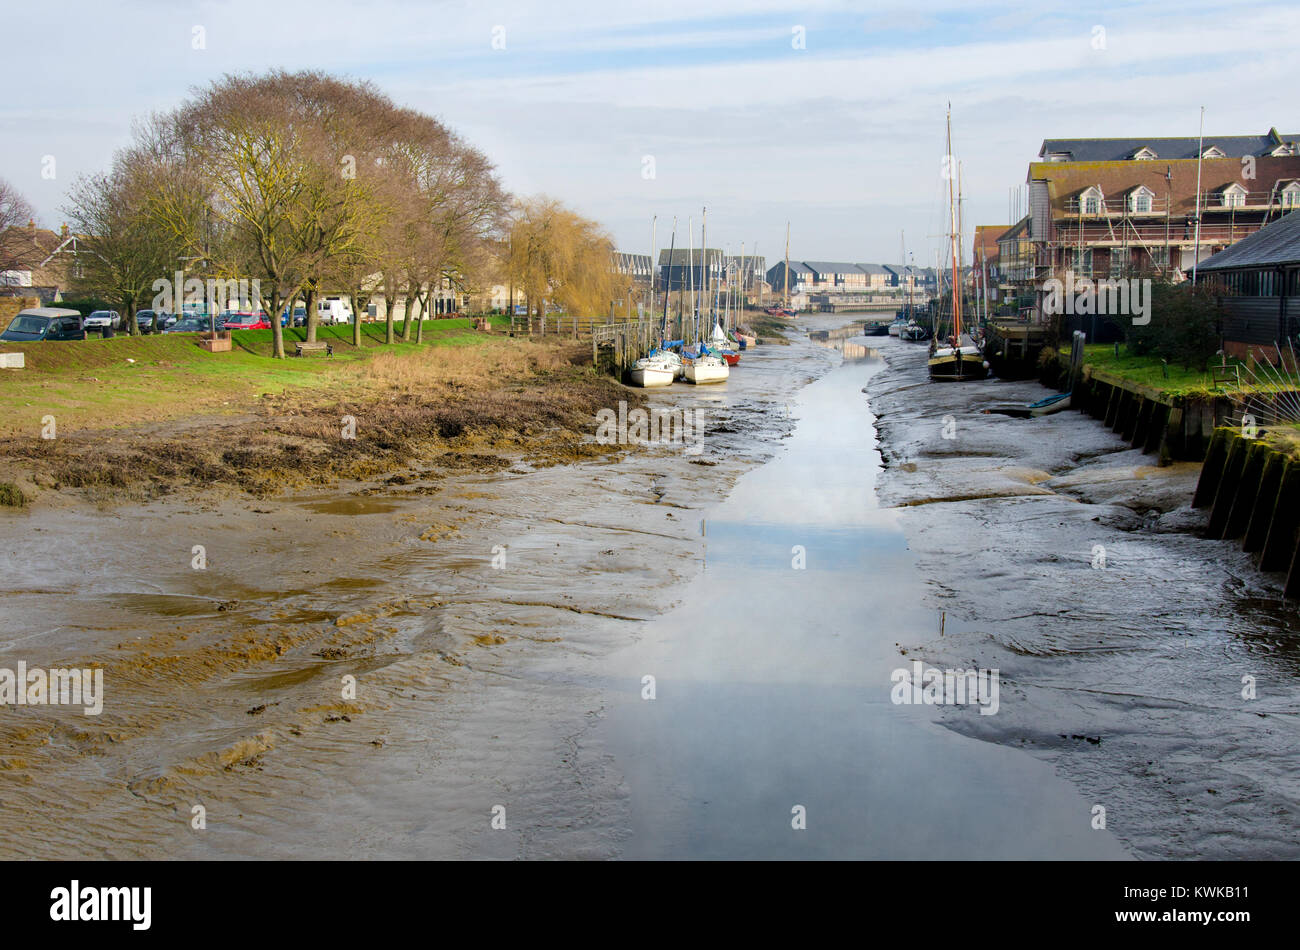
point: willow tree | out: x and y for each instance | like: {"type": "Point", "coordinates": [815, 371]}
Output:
{"type": "Point", "coordinates": [557, 255]}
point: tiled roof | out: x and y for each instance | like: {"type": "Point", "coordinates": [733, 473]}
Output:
{"type": "Point", "coordinates": [1275, 243]}
{"type": "Point", "coordinates": [1068, 179]}
{"type": "Point", "coordinates": [833, 267]}
{"type": "Point", "coordinates": [1123, 149]}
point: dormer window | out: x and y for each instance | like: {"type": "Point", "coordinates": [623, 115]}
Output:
{"type": "Point", "coordinates": [1090, 201]}
{"type": "Point", "coordinates": [1214, 152]}
{"type": "Point", "coordinates": [1144, 154]}
{"type": "Point", "coordinates": [1234, 196]}
{"type": "Point", "coordinates": [1285, 149]}
{"type": "Point", "coordinates": [1139, 200]}
{"type": "Point", "coordinates": [1291, 195]}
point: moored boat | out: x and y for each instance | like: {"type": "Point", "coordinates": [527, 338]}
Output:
{"type": "Point", "coordinates": [957, 363]}
{"type": "Point", "coordinates": [914, 332]}
{"type": "Point", "coordinates": [657, 369]}
{"type": "Point", "coordinates": [706, 368]}
{"type": "Point", "coordinates": [959, 359]}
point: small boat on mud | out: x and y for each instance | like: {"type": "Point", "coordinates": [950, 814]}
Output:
{"type": "Point", "coordinates": [896, 328]}
{"type": "Point", "coordinates": [1044, 407]}
{"type": "Point", "coordinates": [875, 329]}
{"type": "Point", "coordinates": [914, 332]}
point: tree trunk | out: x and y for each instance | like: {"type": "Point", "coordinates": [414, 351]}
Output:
{"type": "Point", "coordinates": [277, 332]}
{"type": "Point", "coordinates": [412, 298]}
{"type": "Point", "coordinates": [313, 318]}
{"type": "Point", "coordinates": [428, 308]}
{"type": "Point", "coordinates": [358, 305]}
{"type": "Point", "coordinates": [390, 304]}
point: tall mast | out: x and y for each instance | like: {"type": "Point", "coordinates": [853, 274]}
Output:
{"type": "Point", "coordinates": [654, 220]}
{"type": "Point", "coordinates": [668, 291]}
{"type": "Point", "coordinates": [952, 220]}
{"type": "Point", "coordinates": [690, 270]}
{"type": "Point", "coordinates": [787, 265]}
{"type": "Point", "coordinates": [704, 249]}
{"type": "Point", "coordinates": [1200, 153]}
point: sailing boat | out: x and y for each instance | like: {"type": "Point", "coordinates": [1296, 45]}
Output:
{"type": "Point", "coordinates": [912, 331]}
{"type": "Point", "coordinates": [662, 366]}
{"type": "Point", "coordinates": [959, 359]}
{"type": "Point", "coordinates": [701, 364]}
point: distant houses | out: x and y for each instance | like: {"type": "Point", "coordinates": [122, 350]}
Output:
{"type": "Point", "coordinates": [41, 263]}
{"type": "Point", "coordinates": [1111, 208]}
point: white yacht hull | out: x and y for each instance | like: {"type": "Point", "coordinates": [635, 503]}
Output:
{"type": "Point", "coordinates": [653, 376]}
{"type": "Point", "coordinates": [709, 370]}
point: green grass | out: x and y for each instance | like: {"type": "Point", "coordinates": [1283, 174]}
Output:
{"type": "Point", "coordinates": [1146, 370]}
{"type": "Point", "coordinates": [126, 380]}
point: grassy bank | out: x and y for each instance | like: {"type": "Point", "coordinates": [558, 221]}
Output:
{"type": "Point", "coordinates": [138, 417]}
{"type": "Point", "coordinates": [128, 381]}
{"type": "Point", "coordinates": [769, 329]}
{"type": "Point", "coordinates": [1146, 370]}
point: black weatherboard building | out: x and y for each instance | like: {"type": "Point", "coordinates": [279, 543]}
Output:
{"type": "Point", "coordinates": [1258, 285]}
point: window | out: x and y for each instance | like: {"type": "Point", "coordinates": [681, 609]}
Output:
{"type": "Point", "coordinates": [1079, 260]}
{"type": "Point", "coordinates": [1140, 201]}
{"type": "Point", "coordinates": [1291, 196]}
{"type": "Point", "coordinates": [1234, 196]}
{"type": "Point", "coordinates": [1091, 204]}
{"type": "Point", "coordinates": [1159, 257]}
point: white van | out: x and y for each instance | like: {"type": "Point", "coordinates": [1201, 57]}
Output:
{"type": "Point", "coordinates": [333, 310]}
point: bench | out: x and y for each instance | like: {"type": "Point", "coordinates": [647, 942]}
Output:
{"type": "Point", "coordinates": [300, 348]}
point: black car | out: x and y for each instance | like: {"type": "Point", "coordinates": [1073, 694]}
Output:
{"type": "Point", "coordinates": [44, 323]}
{"type": "Point", "coordinates": [188, 325]}
{"type": "Point", "coordinates": [144, 320]}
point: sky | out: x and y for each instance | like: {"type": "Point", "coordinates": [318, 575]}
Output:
{"type": "Point", "coordinates": [825, 114]}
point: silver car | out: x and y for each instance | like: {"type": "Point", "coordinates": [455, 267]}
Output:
{"type": "Point", "coordinates": [103, 320]}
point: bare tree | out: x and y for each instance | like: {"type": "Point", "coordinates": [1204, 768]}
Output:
{"type": "Point", "coordinates": [15, 212]}
{"type": "Point", "coordinates": [123, 252]}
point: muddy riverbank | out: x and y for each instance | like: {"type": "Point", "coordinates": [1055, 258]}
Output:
{"type": "Point", "coordinates": [363, 671]}
{"type": "Point", "coordinates": [1071, 563]}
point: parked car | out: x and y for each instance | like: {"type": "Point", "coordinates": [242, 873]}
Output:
{"type": "Point", "coordinates": [144, 321]}
{"type": "Point", "coordinates": [247, 321]}
{"type": "Point", "coordinates": [188, 324]}
{"type": "Point", "coordinates": [163, 320]}
{"type": "Point", "coordinates": [299, 317]}
{"type": "Point", "coordinates": [44, 323]}
{"type": "Point", "coordinates": [103, 320]}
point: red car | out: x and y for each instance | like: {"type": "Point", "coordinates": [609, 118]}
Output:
{"type": "Point", "coordinates": [248, 321]}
